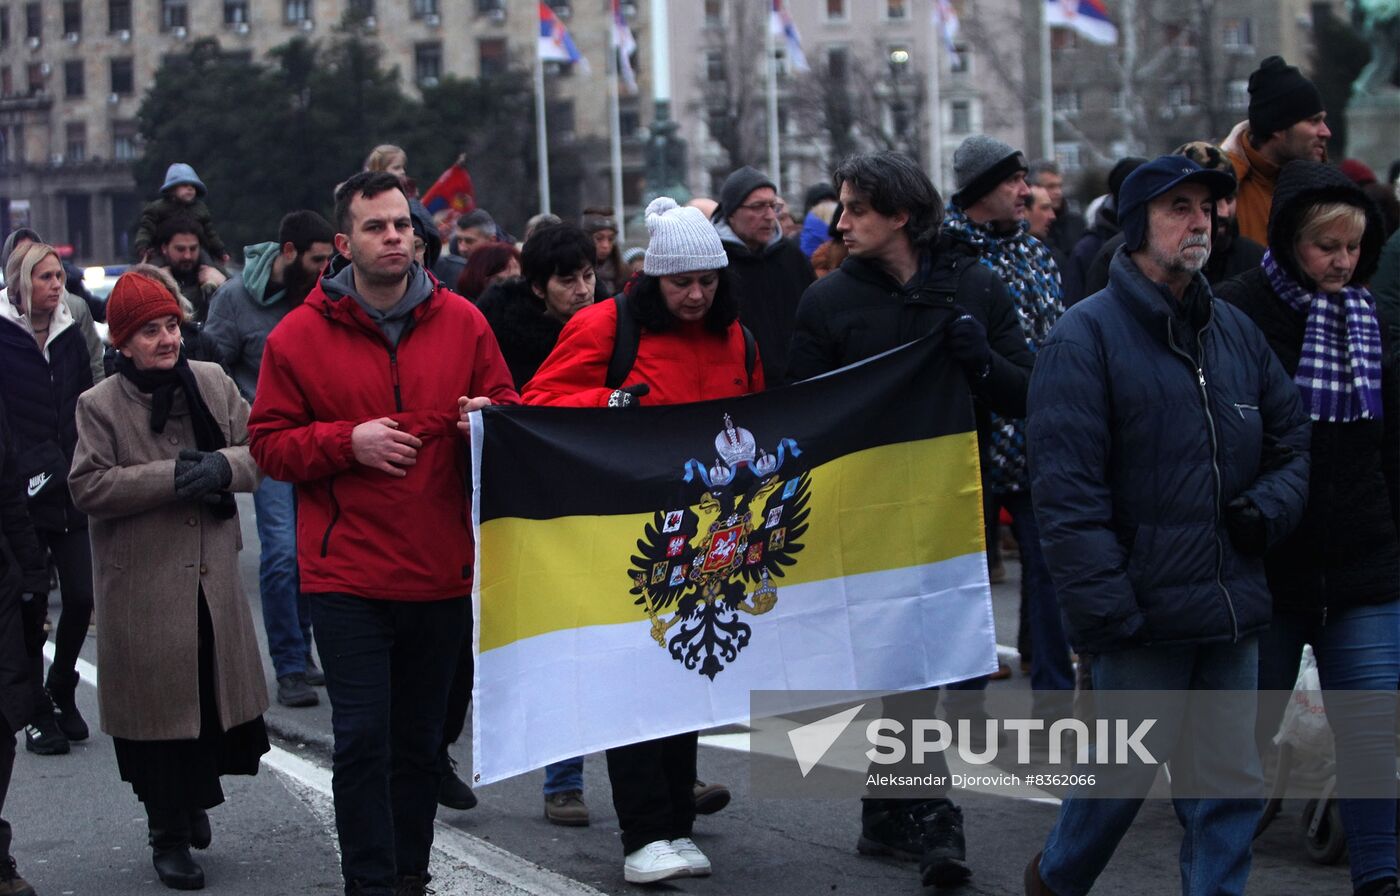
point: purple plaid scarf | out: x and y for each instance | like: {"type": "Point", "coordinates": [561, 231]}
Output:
{"type": "Point", "coordinates": [1339, 372]}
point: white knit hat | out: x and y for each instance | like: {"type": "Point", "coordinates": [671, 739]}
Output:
{"type": "Point", "coordinates": [681, 240]}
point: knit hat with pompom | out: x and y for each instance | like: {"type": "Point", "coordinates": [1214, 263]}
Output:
{"type": "Point", "coordinates": [681, 240]}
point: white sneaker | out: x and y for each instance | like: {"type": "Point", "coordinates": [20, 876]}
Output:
{"type": "Point", "coordinates": [656, 861]}
{"type": "Point", "coordinates": [699, 863]}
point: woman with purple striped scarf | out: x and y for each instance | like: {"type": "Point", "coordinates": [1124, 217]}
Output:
{"type": "Point", "coordinates": [1336, 580]}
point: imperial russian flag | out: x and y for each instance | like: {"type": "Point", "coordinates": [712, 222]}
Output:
{"type": "Point", "coordinates": [639, 573]}
{"type": "Point", "coordinates": [1088, 17]}
{"type": "Point", "coordinates": [555, 43]}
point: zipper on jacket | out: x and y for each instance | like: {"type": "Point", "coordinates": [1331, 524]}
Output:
{"type": "Point", "coordinates": [1241, 408]}
{"type": "Point", "coordinates": [394, 378]}
{"type": "Point", "coordinates": [335, 517]}
{"type": "Point", "coordinates": [1199, 367]}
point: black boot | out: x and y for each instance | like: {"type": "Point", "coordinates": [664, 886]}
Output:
{"type": "Point", "coordinates": [944, 860]}
{"type": "Point", "coordinates": [11, 884]}
{"type": "Point", "coordinates": [170, 849]}
{"type": "Point", "coordinates": [200, 833]}
{"type": "Point", "coordinates": [63, 687]}
{"type": "Point", "coordinates": [1385, 886]}
{"type": "Point", "coordinates": [453, 792]}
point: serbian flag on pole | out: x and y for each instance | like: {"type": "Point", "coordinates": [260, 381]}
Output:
{"type": "Point", "coordinates": [1088, 17]}
{"type": "Point", "coordinates": [783, 27]}
{"type": "Point", "coordinates": [639, 574]}
{"type": "Point", "coordinates": [452, 190]}
{"type": "Point", "coordinates": [626, 45]}
{"type": "Point", "coordinates": [555, 43]}
{"type": "Point", "coordinates": [947, 19]}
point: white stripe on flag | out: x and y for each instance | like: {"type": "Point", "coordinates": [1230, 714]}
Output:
{"type": "Point", "coordinates": [577, 691]}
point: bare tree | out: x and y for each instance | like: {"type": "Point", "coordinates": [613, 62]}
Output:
{"type": "Point", "coordinates": [731, 84]}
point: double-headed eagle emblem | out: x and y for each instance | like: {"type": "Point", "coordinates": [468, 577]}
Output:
{"type": "Point", "coordinates": [695, 565]}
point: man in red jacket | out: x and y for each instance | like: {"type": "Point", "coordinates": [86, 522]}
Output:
{"type": "Point", "coordinates": [359, 399]}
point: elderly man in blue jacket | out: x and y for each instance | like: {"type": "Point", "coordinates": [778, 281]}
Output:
{"type": "Point", "coordinates": [1168, 450]}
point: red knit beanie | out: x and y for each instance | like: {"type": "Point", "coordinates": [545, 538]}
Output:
{"type": "Point", "coordinates": [136, 299]}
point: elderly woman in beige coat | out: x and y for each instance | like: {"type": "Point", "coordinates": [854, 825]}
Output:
{"type": "Point", "coordinates": [161, 448]}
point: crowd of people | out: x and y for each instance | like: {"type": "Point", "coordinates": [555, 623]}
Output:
{"type": "Point", "coordinates": [1186, 409]}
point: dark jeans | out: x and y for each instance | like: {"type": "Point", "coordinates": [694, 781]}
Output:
{"type": "Point", "coordinates": [1358, 651]}
{"type": "Point", "coordinates": [388, 665]}
{"type": "Point", "coordinates": [72, 556]}
{"type": "Point", "coordinates": [653, 785]}
{"type": "Point", "coordinates": [7, 766]}
{"type": "Point", "coordinates": [1050, 666]}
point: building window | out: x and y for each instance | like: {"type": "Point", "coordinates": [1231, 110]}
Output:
{"type": "Point", "coordinates": [1237, 94]}
{"type": "Point", "coordinates": [125, 141]}
{"type": "Point", "coordinates": [75, 141]}
{"type": "Point", "coordinates": [7, 81]}
{"type": "Point", "coordinates": [960, 117]}
{"type": "Point", "coordinates": [1063, 39]}
{"type": "Point", "coordinates": [174, 14]}
{"type": "Point", "coordinates": [493, 57]}
{"type": "Point", "coordinates": [118, 15]}
{"type": "Point", "coordinates": [33, 20]}
{"type": "Point", "coordinates": [123, 77]}
{"type": "Point", "coordinates": [35, 76]}
{"type": "Point", "coordinates": [1183, 36]}
{"type": "Point", "coordinates": [560, 115]}
{"type": "Point", "coordinates": [294, 12]}
{"type": "Point", "coordinates": [629, 117]}
{"type": "Point", "coordinates": [4, 26]}
{"type": "Point", "coordinates": [960, 60]}
{"type": "Point", "coordinates": [1237, 34]}
{"type": "Point", "coordinates": [73, 85]}
{"type": "Point", "coordinates": [427, 64]}
{"type": "Point", "coordinates": [838, 64]}
{"type": "Point", "coordinates": [1067, 157]}
{"type": "Point", "coordinates": [899, 61]}
{"type": "Point", "coordinates": [1180, 96]}
{"type": "Point", "coordinates": [901, 118]}
{"type": "Point", "coordinates": [235, 12]}
{"type": "Point", "coordinates": [1066, 101]}
{"type": "Point", "coordinates": [714, 13]}
{"type": "Point", "coordinates": [490, 7]}
{"type": "Point", "coordinates": [896, 9]}
{"type": "Point", "coordinates": [72, 17]}
{"type": "Point", "coordinates": [714, 66]}
{"type": "Point", "coordinates": [562, 8]}
{"type": "Point", "coordinates": [836, 10]}
{"type": "Point", "coordinates": [360, 9]}
{"type": "Point", "coordinates": [423, 8]}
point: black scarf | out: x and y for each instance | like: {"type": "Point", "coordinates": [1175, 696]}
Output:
{"type": "Point", "coordinates": [161, 386]}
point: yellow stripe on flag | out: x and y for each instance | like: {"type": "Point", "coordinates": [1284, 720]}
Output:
{"type": "Point", "coordinates": [890, 507]}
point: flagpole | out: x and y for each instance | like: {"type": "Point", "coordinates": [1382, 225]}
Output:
{"type": "Point", "coordinates": [541, 139]}
{"type": "Point", "coordinates": [1047, 96]}
{"type": "Point", "coordinates": [935, 101]}
{"type": "Point", "coordinates": [615, 131]}
{"type": "Point", "coordinates": [770, 52]}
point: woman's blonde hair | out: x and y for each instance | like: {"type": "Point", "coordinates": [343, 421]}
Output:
{"type": "Point", "coordinates": [378, 158]}
{"type": "Point", "coordinates": [20, 269]}
{"type": "Point", "coordinates": [1323, 215]}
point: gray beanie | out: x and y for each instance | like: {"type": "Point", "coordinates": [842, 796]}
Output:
{"type": "Point", "coordinates": [979, 164]}
{"type": "Point", "coordinates": [681, 240]}
{"type": "Point", "coordinates": [180, 173]}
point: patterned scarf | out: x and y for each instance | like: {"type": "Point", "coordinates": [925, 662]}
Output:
{"type": "Point", "coordinates": [1027, 268]}
{"type": "Point", "coordinates": [1339, 373]}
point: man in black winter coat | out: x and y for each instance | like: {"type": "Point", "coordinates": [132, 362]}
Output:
{"type": "Point", "coordinates": [769, 272]}
{"type": "Point", "coordinates": [898, 284]}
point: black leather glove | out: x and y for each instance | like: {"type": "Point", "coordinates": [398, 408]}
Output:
{"type": "Point", "coordinates": [967, 341]}
{"type": "Point", "coordinates": [1247, 527]}
{"type": "Point", "coordinates": [199, 473]}
{"type": "Point", "coordinates": [628, 396]}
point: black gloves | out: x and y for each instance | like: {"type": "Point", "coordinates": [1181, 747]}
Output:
{"type": "Point", "coordinates": [201, 473]}
{"type": "Point", "coordinates": [628, 396]}
{"type": "Point", "coordinates": [1246, 525]}
{"type": "Point", "coordinates": [967, 342]}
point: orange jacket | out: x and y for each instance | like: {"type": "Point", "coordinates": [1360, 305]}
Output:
{"type": "Point", "coordinates": [1256, 176]}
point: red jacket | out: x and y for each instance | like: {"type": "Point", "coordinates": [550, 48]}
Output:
{"type": "Point", "coordinates": [686, 364]}
{"type": "Point", "coordinates": [327, 368]}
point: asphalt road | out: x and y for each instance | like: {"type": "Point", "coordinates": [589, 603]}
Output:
{"type": "Point", "coordinates": [79, 830]}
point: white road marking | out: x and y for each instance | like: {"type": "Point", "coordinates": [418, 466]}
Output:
{"type": "Point", "coordinates": [462, 863]}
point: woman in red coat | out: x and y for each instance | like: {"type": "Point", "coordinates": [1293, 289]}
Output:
{"type": "Point", "coordinates": [689, 347]}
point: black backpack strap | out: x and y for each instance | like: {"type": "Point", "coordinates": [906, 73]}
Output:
{"type": "Point", "coordinates": [750, 351]}
{"type": "Point", "coordinates": [624, 353]}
